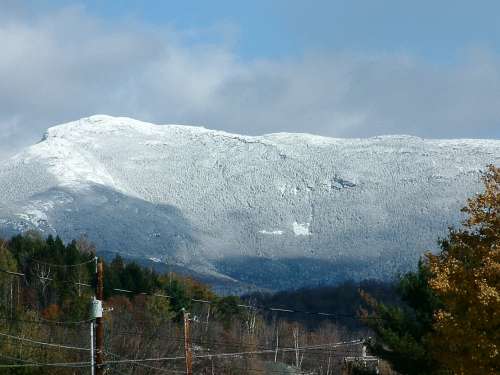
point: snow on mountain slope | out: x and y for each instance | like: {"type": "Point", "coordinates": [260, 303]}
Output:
{"type": "Point", "coordinates": [278, 210]}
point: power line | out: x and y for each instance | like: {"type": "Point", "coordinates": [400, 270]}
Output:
{"type": "Point", "coordinates": [29, 363]}
{"type": "Point", "coordinates": [13, 273]}
{"type": "Point", "coordinates": [213, 342]}
{"type": "Point", "coordinates": [46, 321]}
{"type": "Point", "coordinates": [60, 364]}
{"type": "Point", "coordinates": [251, 307]}
{"type": "Point", "coordinates": [59, 346]}
{"type": "Point", "coordinates": [254, 307]}
{"type": "Point", "coordinates": [62, 322]}
{"type": "Point", "coordinates": [64, 265]}
{"type": "Point", "coordinates": [3, 355]}
{"type": "Point", "coordinates": [137, 361]}
{"type": "Point", "coordinates": [45, 278]}
{"type": "Point", "coordinates": [117, 371]}
{"type": "Point", "coordinates": [236, 354]}
{"type": "Point", "coordinates": [146, 366]}
{"type": "Point", "coordinates": [144, 293]}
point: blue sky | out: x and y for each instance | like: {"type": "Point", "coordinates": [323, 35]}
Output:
{"type": "Point", "coordinates": [436, 30]}
{"type": "Point", "coordinates": [335, 68]}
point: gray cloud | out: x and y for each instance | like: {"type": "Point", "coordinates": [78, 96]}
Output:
{"type": "Point", "coordinates": [67, 64]}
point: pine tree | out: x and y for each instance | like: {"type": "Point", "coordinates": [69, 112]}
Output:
{"type": "Point", "coordinates": [403, 330]}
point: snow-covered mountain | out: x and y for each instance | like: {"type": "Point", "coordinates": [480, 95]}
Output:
{"type": "Point", "coordinates": [277, 211]}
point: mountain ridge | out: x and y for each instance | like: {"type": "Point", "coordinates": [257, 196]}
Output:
{"type": "Point", "coordinates": [214, 202]}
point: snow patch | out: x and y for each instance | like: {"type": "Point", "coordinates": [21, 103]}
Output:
{"type": "Point", "coordinates": [271, 232]}
{"type": "Point", "coordinates": [301, 229]}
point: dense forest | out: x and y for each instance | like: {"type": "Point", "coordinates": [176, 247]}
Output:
{"type": "Point", "coordinates": [344, 301]}
{"type": "Point", "coordinates": [442, 318]}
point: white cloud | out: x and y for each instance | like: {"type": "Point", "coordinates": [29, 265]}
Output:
{"type": "Point", "coordinates": [68, 64]}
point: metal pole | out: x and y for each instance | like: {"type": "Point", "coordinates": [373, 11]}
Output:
{"type": "Point", "coordinates": [277, 337]}
{"type": "Point", "coordinates": [187, 344]}
{"type": "Point", "coordinates": [92, 347]}
{"type": "Point", "coordinates": [99, 333]}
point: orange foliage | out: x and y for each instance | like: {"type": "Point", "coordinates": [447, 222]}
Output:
{"type": "Point", "coordinates": [52, 312]}
{"type": "Point", "coordinates": [466, 277]}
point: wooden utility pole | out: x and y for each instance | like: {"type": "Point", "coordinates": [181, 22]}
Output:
{"type": "Point", "coordinates": [187, 344]}
{"type": "Point", "coordinates": [99, 332]}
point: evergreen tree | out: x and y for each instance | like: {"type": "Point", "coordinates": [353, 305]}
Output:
{"type": "Point", "coordinates": [403, 331]}
{"type": "Point", "coordinates": [227, 310]}
{"type": "Point", "coordinates": [179, 297]}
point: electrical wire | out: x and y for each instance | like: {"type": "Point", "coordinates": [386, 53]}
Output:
{"type": "Point", "coordinates": [29, 363]}
{"type": "Point", "coordinates": [60, 364]}
{"type": "Point", "coordinates": [212, 342]}
{"type": "Point", "coordinates": [139, 362]}
{"type": "Point", "coordinates": [64, 265]}
{"type": "Point", "coordinates": [46, 278]}
{"type": "Point", "coordinates": [252, 307]}
{"type": "Point", "coordinates": [46, 321]}
{"type": "Point", "coordinates": [237, 354]}
{"type": "Point", "coordinates": [62, 322]}
{"type": "Point", "coordinates": [13, 273]}
{"type": "Point", "coordinates": [144, 365]}
{"type": "Point", "coordinates": [59, 346]}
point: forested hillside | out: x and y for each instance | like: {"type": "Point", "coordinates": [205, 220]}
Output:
{"type": "Point", "coordinates": [46, 288]}
{"type": "Point", "coordinates": [343, 301]}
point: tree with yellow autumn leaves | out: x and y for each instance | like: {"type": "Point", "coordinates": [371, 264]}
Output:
{"type": "Point", "coordinates": [465, 276]}
{"type": "Point", "coordinates": [448, 321]}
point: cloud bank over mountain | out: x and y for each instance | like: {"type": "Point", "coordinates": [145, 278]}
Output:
{"type": "Point", "coordinates": [69, 63]}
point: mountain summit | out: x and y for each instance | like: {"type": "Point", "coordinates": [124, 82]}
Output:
{"type": "Point", "coordinates": [275, 211]}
